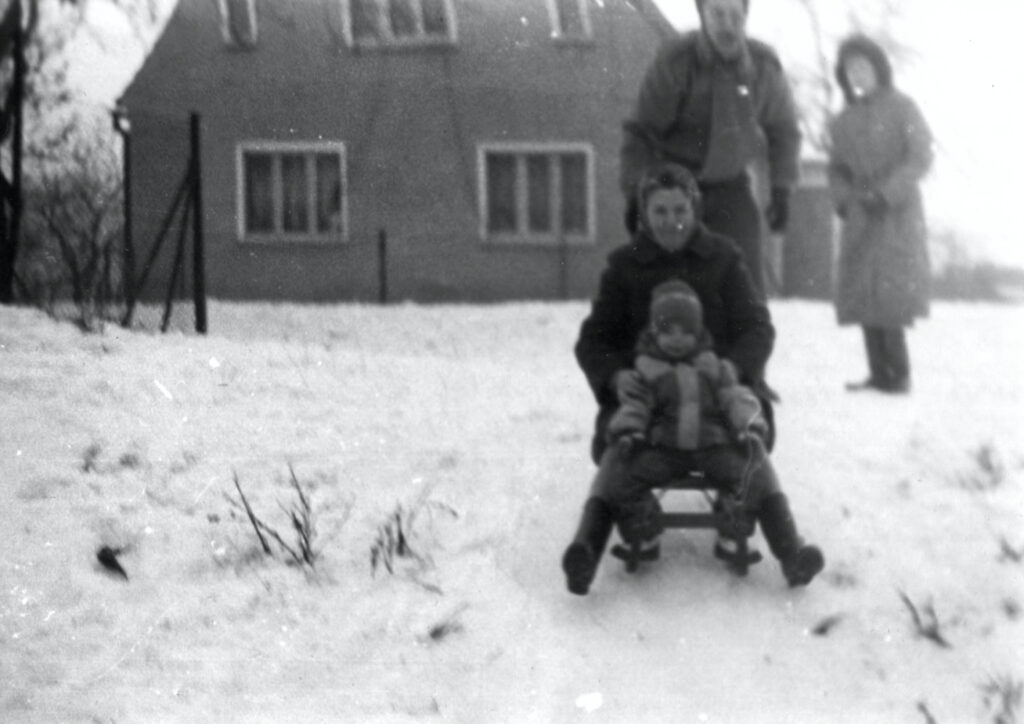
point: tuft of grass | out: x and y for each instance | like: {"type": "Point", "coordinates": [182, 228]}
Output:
{"type": "Point", "coordinates": [395, 533]}
{"type": "Point", "coordinates": [926, 623]}
{"type": "Point", "coordinates": [130, 460]}
{"type": "Point", "coordinates": [392, 541]}
{"type": "Point", "coordinates": [304, 550]}
{"type": "Point", "coordinates": [1008, 553]}
{"type": "Point", "coordinates": [90, 458]}
{"type": "Point", "coordinates": [989, 471]}
{"type": "Point", "coordinates": [303, 524]}
{"type": "Point", "coordinates": [92, 461]}
{"type": "Point", "coordinates": [1002, 696]}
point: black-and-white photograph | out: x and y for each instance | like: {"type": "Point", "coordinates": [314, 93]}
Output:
{"type": "Point", "coordinates": [503, 361]}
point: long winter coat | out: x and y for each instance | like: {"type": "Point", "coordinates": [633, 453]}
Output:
{"type": "Point", "coordinates": [881, 143]}
{"type": "Point", "coordinates": [738, 322]}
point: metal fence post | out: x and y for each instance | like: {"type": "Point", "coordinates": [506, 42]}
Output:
{"type": "Point", "coordinates": [198, 263]}
{"type": "Point", "coordinates": [382, 265]}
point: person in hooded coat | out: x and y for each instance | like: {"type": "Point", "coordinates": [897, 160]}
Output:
{"type": "Point", "coordinates": [881, 148]}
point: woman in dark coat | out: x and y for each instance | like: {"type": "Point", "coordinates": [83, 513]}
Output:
{"type": "Point", "coordinates": [881, 149]}
{"type": "Point", "coordinates": [670, 244]}
{"type": "Point", "coordinates": [735, 314]}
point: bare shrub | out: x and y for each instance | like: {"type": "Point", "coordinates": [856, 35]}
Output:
{"type": "Point", "coordinates": [71, 247]}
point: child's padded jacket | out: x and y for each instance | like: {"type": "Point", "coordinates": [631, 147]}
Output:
{"type": "Point", "coordinates": [688, 405]}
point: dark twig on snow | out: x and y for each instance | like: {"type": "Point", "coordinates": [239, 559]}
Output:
{"type": "Point", "coordinates": [253, 519]}
{"type": "Point", "coordinates": [279, 540]}
{"type": "Point", "coordinates": [1008, 553]}
{"type": "Point", "coordinates": [448, 625]}
{"type": "Point", "coordinates": [927, 626]}
{"type": "Point", "coordinates": [107, 557]}
{"type": "Point", "coordinates": [823, 627]}
{"type": "Point", "coordinates": [926, 713]}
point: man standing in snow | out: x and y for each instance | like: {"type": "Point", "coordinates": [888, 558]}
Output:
{"type": "Point", "coordinates": [709, 101]}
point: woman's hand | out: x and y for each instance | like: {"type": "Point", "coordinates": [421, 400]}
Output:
{"type": "Point", "coordinates": [628, 384]}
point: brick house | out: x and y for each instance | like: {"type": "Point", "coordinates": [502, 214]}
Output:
{"type": "Point", "coordinates": [482, 136]}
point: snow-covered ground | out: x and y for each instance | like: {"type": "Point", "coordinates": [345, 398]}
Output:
{"type": "Point", "coordinates": [472, 424]}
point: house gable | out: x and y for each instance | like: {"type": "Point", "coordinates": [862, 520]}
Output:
{"type": "Point", "coordinates": [537, 86]}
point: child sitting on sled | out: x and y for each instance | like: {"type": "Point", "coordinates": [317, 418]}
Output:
{"type": "Point", "coordinates": [683, 411]}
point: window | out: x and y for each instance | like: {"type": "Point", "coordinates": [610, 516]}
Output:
{"type": "Point", "coordinates": [385, 23]}
{"type": "Point", "coordinates": [291, 191]}
{"type": "Point", "coordinates": [570, 20]}
{"type": "Point", "coordinates": [238, 22]}
{"type": "Point", "coordinates": [542, 192]}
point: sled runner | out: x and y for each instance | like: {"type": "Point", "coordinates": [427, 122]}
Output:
{"type": "Point", "coordinates": [727, 517]}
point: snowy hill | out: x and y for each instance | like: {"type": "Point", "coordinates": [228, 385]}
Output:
{"type": "Point", "coordinates": [471, 425]}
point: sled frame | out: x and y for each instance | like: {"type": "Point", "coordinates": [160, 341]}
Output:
{"type": "Point", "coordinates": [727, 517]}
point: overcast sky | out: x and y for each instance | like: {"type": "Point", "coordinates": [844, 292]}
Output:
{"type": "Point", "coordinates": [966, 87]}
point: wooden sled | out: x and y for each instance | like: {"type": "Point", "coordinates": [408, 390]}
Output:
{"type": "Point", "coordinates": [726, 517]}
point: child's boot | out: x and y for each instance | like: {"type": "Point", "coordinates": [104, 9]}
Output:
{"type": "Point", "coordinates": [800, 562]}
{"type": "Point", "coordinates": [640, 528]}
{"type": "Point", "coordinates": [583, 555]}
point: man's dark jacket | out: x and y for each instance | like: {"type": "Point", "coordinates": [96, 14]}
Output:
{"type": "Point", "coordinates": [710, 263]}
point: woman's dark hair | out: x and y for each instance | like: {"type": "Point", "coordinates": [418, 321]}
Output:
{"type": "Point", "coordinates": [862, 46]}
{"type": "Point", "coordinates": [668, 176]}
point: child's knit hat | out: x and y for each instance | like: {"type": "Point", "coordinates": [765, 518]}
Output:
{"type": "Point", "coordinates": [675, 301]}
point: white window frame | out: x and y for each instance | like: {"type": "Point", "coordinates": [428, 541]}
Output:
{"type": "Point", "coordinates": [225, 24]}
{"type": "Point", "coordinates": [388, 40]}
{"type": "Point", "coordinates": [279, 235]}
{"type": "Point", "coordinates": [523, 234]}
{"type": "Point", "coordinates": [558, 33]}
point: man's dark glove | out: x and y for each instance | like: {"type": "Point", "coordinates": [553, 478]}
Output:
{"type": "Point", "coordinates": [777, 212]}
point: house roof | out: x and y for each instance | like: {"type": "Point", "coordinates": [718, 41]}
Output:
{"type": "Point", "coordinates": [191, 53]}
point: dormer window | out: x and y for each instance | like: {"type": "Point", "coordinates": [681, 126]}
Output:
{"type": "Point", "coordinates": [385, 23]}
{"type": "Point", "coordinates": [238, 22]}
{"type": "Point", "coordinates": [570, 20]}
